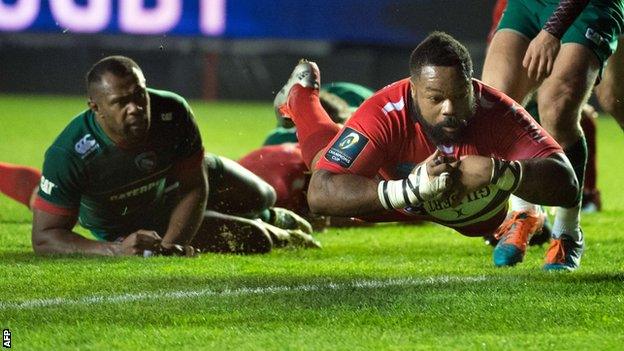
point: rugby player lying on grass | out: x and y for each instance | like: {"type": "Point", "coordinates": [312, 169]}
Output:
{"type": "Point", "coordinates": [132, 170]}
{"type": "Point", "coordinates": [438, 146]}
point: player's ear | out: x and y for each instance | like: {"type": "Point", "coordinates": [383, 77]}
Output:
{"type": "Point", "coordinates": [92, 105]}
{"type": "Point", "coordinates": [412, 88]}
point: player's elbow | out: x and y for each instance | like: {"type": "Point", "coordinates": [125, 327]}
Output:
{"type": "Point", "coordinates": [40, 242]}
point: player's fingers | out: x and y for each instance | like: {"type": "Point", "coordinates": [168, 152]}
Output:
{"type": "Point", "coordinates": [150, 233]}
{"type": "Point", "coordinates": [540, 69]}
{"type": "Point", "coordinates": [439, 169]}
{"type": "Point", "coordinates": [147, 241]}
{"type": "Point", "coordinates": [549, 66]}
{"type": "Point", "coordinates": [533, 65]}
{"type": "Point", "coordinates": [526, 60]}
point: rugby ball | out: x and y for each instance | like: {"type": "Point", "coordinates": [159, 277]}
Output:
{"type": "Point", "coordinates": [475, 207]}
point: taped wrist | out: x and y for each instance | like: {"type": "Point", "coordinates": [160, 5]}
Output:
{"type": "Point", "coordinates": [413, 190]}
{"type": "Point", "coordinates": [506, 175]}
{"type": "Point", "coordinates": [398, 194]}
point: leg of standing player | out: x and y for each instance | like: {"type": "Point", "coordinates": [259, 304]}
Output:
{"type": "Point", "coordinates": [560, 99]}
{"type": "Point", "coordinates": [610, 91]}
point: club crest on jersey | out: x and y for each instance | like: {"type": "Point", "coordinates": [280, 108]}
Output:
{"type": "Point", "coordinates": [347, 148]}
{"type": "Point", "coordinates": [86, 145]}
{"type": "Point", "coordinates": [146, 161]}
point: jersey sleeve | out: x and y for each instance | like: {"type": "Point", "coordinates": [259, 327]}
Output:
{"type": "Point", "coordinates": [60, 186]}
{"type": "Point", "coordinates": [361, 146]}
{"type": "Point", "coordinates": [515, 135]}
{"type": "Point", "coordinates": [189, 146]}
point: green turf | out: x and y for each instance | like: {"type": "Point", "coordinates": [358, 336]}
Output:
{"type": "Point", "coordinates": [420, 287]}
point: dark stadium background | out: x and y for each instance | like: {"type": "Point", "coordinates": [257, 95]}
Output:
{"type": "Point", "coordinates": [245, 52]}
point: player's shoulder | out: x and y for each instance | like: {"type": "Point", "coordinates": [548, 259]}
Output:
{"type": "Point", "coordinates": [492, 103]}
{"type": "Point", "coordinates": [392, 91]}
{"type": "Point", "coordinates": [167, 105]}
{"type": "Point", "coordinates": [78, 139]}
{"type": "Point", "coordinates": [393, 97]}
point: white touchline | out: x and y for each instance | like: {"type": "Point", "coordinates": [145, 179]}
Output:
{"type": "Point", "coordinates": [185, 294]}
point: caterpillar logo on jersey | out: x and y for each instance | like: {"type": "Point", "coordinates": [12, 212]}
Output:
{"type": "Point", "coordinates": [146, 161]}
{"type": "Point", "coordinates": [46, 186]}
{"type": "Point", "coordinates": [86, 145]}
{"type": "Point", "coordinates": [347, 148]}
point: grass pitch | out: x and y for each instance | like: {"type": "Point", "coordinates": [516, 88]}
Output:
{"type": "Point", "coordinates": [384, 287]}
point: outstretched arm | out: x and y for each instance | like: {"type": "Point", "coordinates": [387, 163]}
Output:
{"type": "Point", "coordinates": [342, 194]}
{"type": "Point", "coordinates": [187, 215]}
{"type": "Point", "coordinates": [545, 181]}
{"type": "Point", "coordinates": [355, 195]}
{"type": "Point", "coordinates": [52, 234]}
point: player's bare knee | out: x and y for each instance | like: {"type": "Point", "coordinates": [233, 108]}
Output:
{"type": "Point", "coordinates": [559, 111]}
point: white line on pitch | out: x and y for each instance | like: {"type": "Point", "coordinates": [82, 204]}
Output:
{"type": "Point", "coordinates": [185, 294]}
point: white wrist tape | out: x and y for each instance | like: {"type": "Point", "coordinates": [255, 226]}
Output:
{"type": "Point", "coordinates": [413, 190]}
{"type": "Point", "coordinates": [506, 175]}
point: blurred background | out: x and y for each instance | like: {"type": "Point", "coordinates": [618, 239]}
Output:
{"type": "Point", "coordinates": [225, 49]}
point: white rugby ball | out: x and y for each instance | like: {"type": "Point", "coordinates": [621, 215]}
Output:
{"type": "Point", "coordinates": [475, 207]}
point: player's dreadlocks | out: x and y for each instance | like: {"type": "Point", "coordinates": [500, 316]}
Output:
{"type": "Point", "coordinates": [441, 49]}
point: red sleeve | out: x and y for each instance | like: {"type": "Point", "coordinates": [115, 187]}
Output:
{"type": "Point", "coordinates": [361, 146]}
{"type": "Point", "coordinates": [515, 135]}
{"type": "Point", "coordinates": [51, 208]}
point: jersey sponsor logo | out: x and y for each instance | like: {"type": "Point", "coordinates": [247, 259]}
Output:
{"type": "Point", "coordinates": [347, 148]}
{"type": "Point", "coordinates": [394, 106]}
{"type": "Point", "coordinates": [86, 145]}
{"type": "Point", "coordinates": [146, 161]}
{"type": "Point", "coordinates": [46, 186]}
{"type": "Point", "coordinates": [136, 191]}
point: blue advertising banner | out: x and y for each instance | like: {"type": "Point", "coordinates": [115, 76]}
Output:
{"type": "Point", "coordinates": [372, 21]}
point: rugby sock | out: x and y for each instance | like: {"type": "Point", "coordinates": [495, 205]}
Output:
{"type": "Point", "coordinates": [518, 204]}
{"type": "Point", "coordinates": [315, 129]}
{"type": "Point", "coordinates": [589, 129]}
{"type": "Point", "coordinates": [567, 220]}
{"type": "Point", "coordinates": [18, 182]}
{"type": "Point", "coordinates": [577, 154]}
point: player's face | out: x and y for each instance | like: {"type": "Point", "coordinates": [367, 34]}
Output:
{"type": "Point", "coordinates": [444, 100]}
{"type": "Point", "coordinates": [123, 107]}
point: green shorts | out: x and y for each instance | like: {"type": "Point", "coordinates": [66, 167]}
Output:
{"type": "Point", "coordinates": [596, 28]}
{"type": "Point", "coordinates": [214, 165]}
